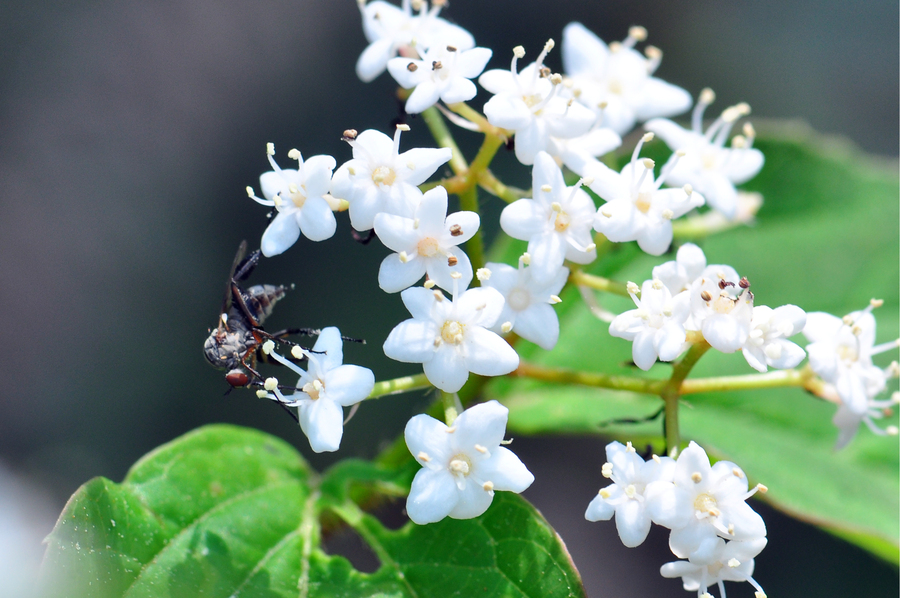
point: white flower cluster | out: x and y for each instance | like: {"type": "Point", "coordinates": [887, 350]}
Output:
{"type": "Point", "coordinates": [687, 295]}
{"type": "Point", "coordinates": [705, 506]}
{"type": "Point", "coordinates": [840, 352]}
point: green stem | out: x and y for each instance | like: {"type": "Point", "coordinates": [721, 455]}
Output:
{"type": "Point", "coordinates": [398, 385]}
{"type": "Point", "coordinates": [671, 394]}
{"type": "Point", "coordinates": [579, 277]}
{"type": "Point", "coordinates": [452, 406]}
{"type": "Point", "coordinates": [444, 138]}
{"type": "Point", "coordinates": [468, 201]}
{"type": "Point", "coordinates": [537, 372]}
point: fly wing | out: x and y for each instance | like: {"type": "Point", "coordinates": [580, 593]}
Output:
{"type": "Point", "coordinates": [226, 302]}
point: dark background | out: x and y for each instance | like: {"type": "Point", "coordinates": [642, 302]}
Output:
{"type": "Point", "coordinates": [128, 131]}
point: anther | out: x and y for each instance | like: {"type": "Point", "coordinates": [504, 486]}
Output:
{"type": "Point", "coordinates": [480, 449]}
{"type": "Point", "coordinates": [544, 188]}
{"type": "Point", "coordinates": [696, 477]}
{"type": "Point", "coordinates": [554, 299]}
{"type": "Point", "coordinates": [451, 49]}
{"type": "Point", "coordinates": [606, 470]}
{"type": "Point", "coordinates": [452, 261]}
{"type": "Point", "coordinates": [349, 134]}
{"type": "Point", "coordinates": [545, 72]}
{"type": "Point", "coordinates": [402, 127]}
{"type": "Point", "coordinates": [271, 384]}
{"type": "Point", "coordinates": [707, 96]}
{"type": "Point", "coordinates": [456, 230]}
{"type": "Point", "coordinates": [438, 296]}
{"type": "Point", "coordinates": [488, 486]}
{"type": "Point", "coordinates": [506, 327]}
{"type": "Point", "coordinates": [519, 52]}
{"type": "Point", "coordinates": [876, 302]}
{"type": "Point", "coordinates": [632, 288]}
{"type": "Point", "coordinates": [436, 65]}
{"type": "Point", "coordinates": [423, 456]}
{"type": "Point", "coordinates": [762, 488]}
{"type": "Point", "coordinates": [270, 149]}
{"type": "Point", "coordinates": [737, 473]}
{"type": "Point", "coordinates": [733, 562]}
{"type": "Point", "coordinates": [262, 394]}
{"type": "Point", "coordinates": [268, 347]}
{"type": "Point", "coordinates": [705, 296]}
{"type": "Point", "coordinates": [456, 275]}
{"type": "Point", "coordinates": [647, 137]}
{"type": "Point", "coordinates": [556, 78]}
{"type": "Point", "coordinates": [483, 274]}
{"type": "Point", "coordinates": [653, 53]}
{"type": "Point", "coordinates": [297, 352]}
{"type": "Point", "coordinates": [429, 284]}
{"type": "Point", "coordinates": [549, 45]}
{"type": "Point", "coordinates": [294, 154]}
{"type": "Point", "coordinates": [648, 163]}
{"type": "Point", "coordinates": [250, 192]}
{"type": "Point", "coordinates": [744, 283]}
{"type": "Point", "coordinates": [412, 67]}
{"type": "Point", "coordinates": [688, 189]}
{"type": "Point", "coordinates": [638, 33]}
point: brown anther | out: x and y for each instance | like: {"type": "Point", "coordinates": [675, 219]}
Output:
{"type": "Point", "coordinates": [452, 261]}
{"type": "Point", "coordinates": [456, 230]}
{"type": "Point", "coordinates": [545, 72]}
{"type": "Point", "coordinates": [436, 65]}
{"type": "Point", "coordinates": [724, 284]}
{"type": "Point", "coordinates": [349, 134]}
{"type": "Point", "coordinates": [744, 283]}
{"type": "Point", "coordinates": [705, 296]}
{"type": "Point", "coordinates": [451, 48]}
{"type": "Point", "coordinates": [412, 67]}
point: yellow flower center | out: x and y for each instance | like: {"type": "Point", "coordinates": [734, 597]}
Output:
{"type": "Point", "coordinates": [428, 247]}
{"type": "Point", "coordinates": [383, 175]}
{"type": "Point", "coordinates": [452, 332]}
{"type": "Point", "coordinates": [460, 465]}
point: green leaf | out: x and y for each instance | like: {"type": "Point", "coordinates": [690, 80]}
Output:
{"type": "Point", "coordinates": [226, 511]}
{"type": "Point", "coordinates": [827, 240]}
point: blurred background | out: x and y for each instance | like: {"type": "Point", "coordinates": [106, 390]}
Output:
{"type": "Point", "coordinates": [128, 131]}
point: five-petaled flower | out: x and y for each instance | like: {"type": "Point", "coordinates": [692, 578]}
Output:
{"type": "Point", "coordinates": [462, 465]}
{"type": "Point", "coordinates": [443, 73]}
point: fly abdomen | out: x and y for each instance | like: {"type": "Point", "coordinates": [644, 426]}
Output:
{"type": "Point", "coordinates": [260, 300]}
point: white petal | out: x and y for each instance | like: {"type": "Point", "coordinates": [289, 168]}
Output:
{"type": "Point", "coordinates": [523, 219]}
{"type": "Point", "coordinates": [411, 341]}
{"type": "Point", "coordinates": [323, 423]}
{"type": "Point", "coordinates": [599, 510]}
{"type": "Point", "coordinates": [424, 434]}
{"type": "Point", "coordinates": [317, 221]}
{"type": "Point", "coordinates": [419, 301]}
{"type": "Point", "coordinates": [483, 424]}
{"type": "Point", "coordinates": [481, 306]}
{"type": "Point", "coordinates": [538, 324]}
{"type": "Point", "coordinates": [332, 345]}
{"type": "Point", "coordinates": [440, 270]}
{"type": "Point", "coordinates": [632, 523]}
{"type": "Point", "coordinates": [473, 501]}
{"type": "Point", "coordinates": [506, 471]}
{"type": "Point", "coordinates": [487, 354]}
{"type": "Point", "coordinates": [459, 90]}
{"type": "Point", "coordinates": [349, 384]}
{"type": "Point", "coordinates": [548, 251]}
{"type": "Point", "coordinates": [395, 275]}
{"type": "Point", "coordinates": [425, 95]}
{"type": "Point", "coordinates": [446, 369]}
{"type": "Point", "coordinates": [281, 233]}
{"type": "Point", "coordinates": [432, 497]}
{"type": "Point", "coordinates": [658, 98]}
{"type": "Point", "coordinates": [425, 162]}
{"type": "Point", "coordinates": [374, 59]}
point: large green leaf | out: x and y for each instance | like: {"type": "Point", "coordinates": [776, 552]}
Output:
{"type": "Point", "coordinates": [226, 511]}
{"type": "Point", "coordinates": [827, 240]}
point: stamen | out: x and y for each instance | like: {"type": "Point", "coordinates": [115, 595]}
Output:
{"type": "Point", "coordinates": [483, 274]}
{"type": "Point", "coordinates": [707, 97]}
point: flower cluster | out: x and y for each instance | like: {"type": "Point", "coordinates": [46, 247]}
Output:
{"type": "Point", "coordinates": [467, 316]}
{"type": "Point", "coordinates": [703, 505]}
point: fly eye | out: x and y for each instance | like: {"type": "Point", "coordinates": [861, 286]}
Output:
{"type": "Point", "coordinates": [237, 378]}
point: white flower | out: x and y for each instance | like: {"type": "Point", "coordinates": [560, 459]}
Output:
{"type": "Point", "coordinates": [381, 179]}
{"type": "Point", "coordinates": [624, 498]}
{"type": "Point", "coordinates": [636, 209]}
{"type": "Point", "coordinates": [426, 243]}
{"type": "Point", "coordinates": [323, 390]}
{"type": "Point", "coordinates": [301, 198]}
{"type": "Point", "coordinates": [527, 102]}
{"type": "Point", "coordinates": [451, 338]}
{"type": "Point", "coordinates": [703, 502]}
{"type": "Point", "coordinates": [710, 167]}
{"type": "Point", "coordinates": [556, 223]}
{"type": "Point", "coordinates": [615, 81]}
{"type": "Point", "coordinates": [679, 274]}
{"type": "Point", "coordinates": [725, 561]}
{"type": "Point", "coordinates": [847, 420]}
{"type": "Point", "coordinates": [841, 353]}
{"type": "Point", "coordinates": [462, 465]}
{"type": "Point", "coordinates": [722, 308]}
{"type": "Point", "coordinates": [389, 29]}
{"type": "Point", "coordinates": [443, 73]}
{"type": "Point", "coordinates": [767, 343]}
{"type": "Point", "coordinates": [656, 326]}
{"type": "Point", "coordinates": [528, 310]}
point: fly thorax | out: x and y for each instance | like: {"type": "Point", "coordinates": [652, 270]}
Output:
{"type": "Point", "coordinates": [428, 247]}
{"type": "Point", "coordinates": [384, 175]}
{"type": "Point", "coordinates": [452, 332]}
{"type": "Point", "coordinates": [518, 299]}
